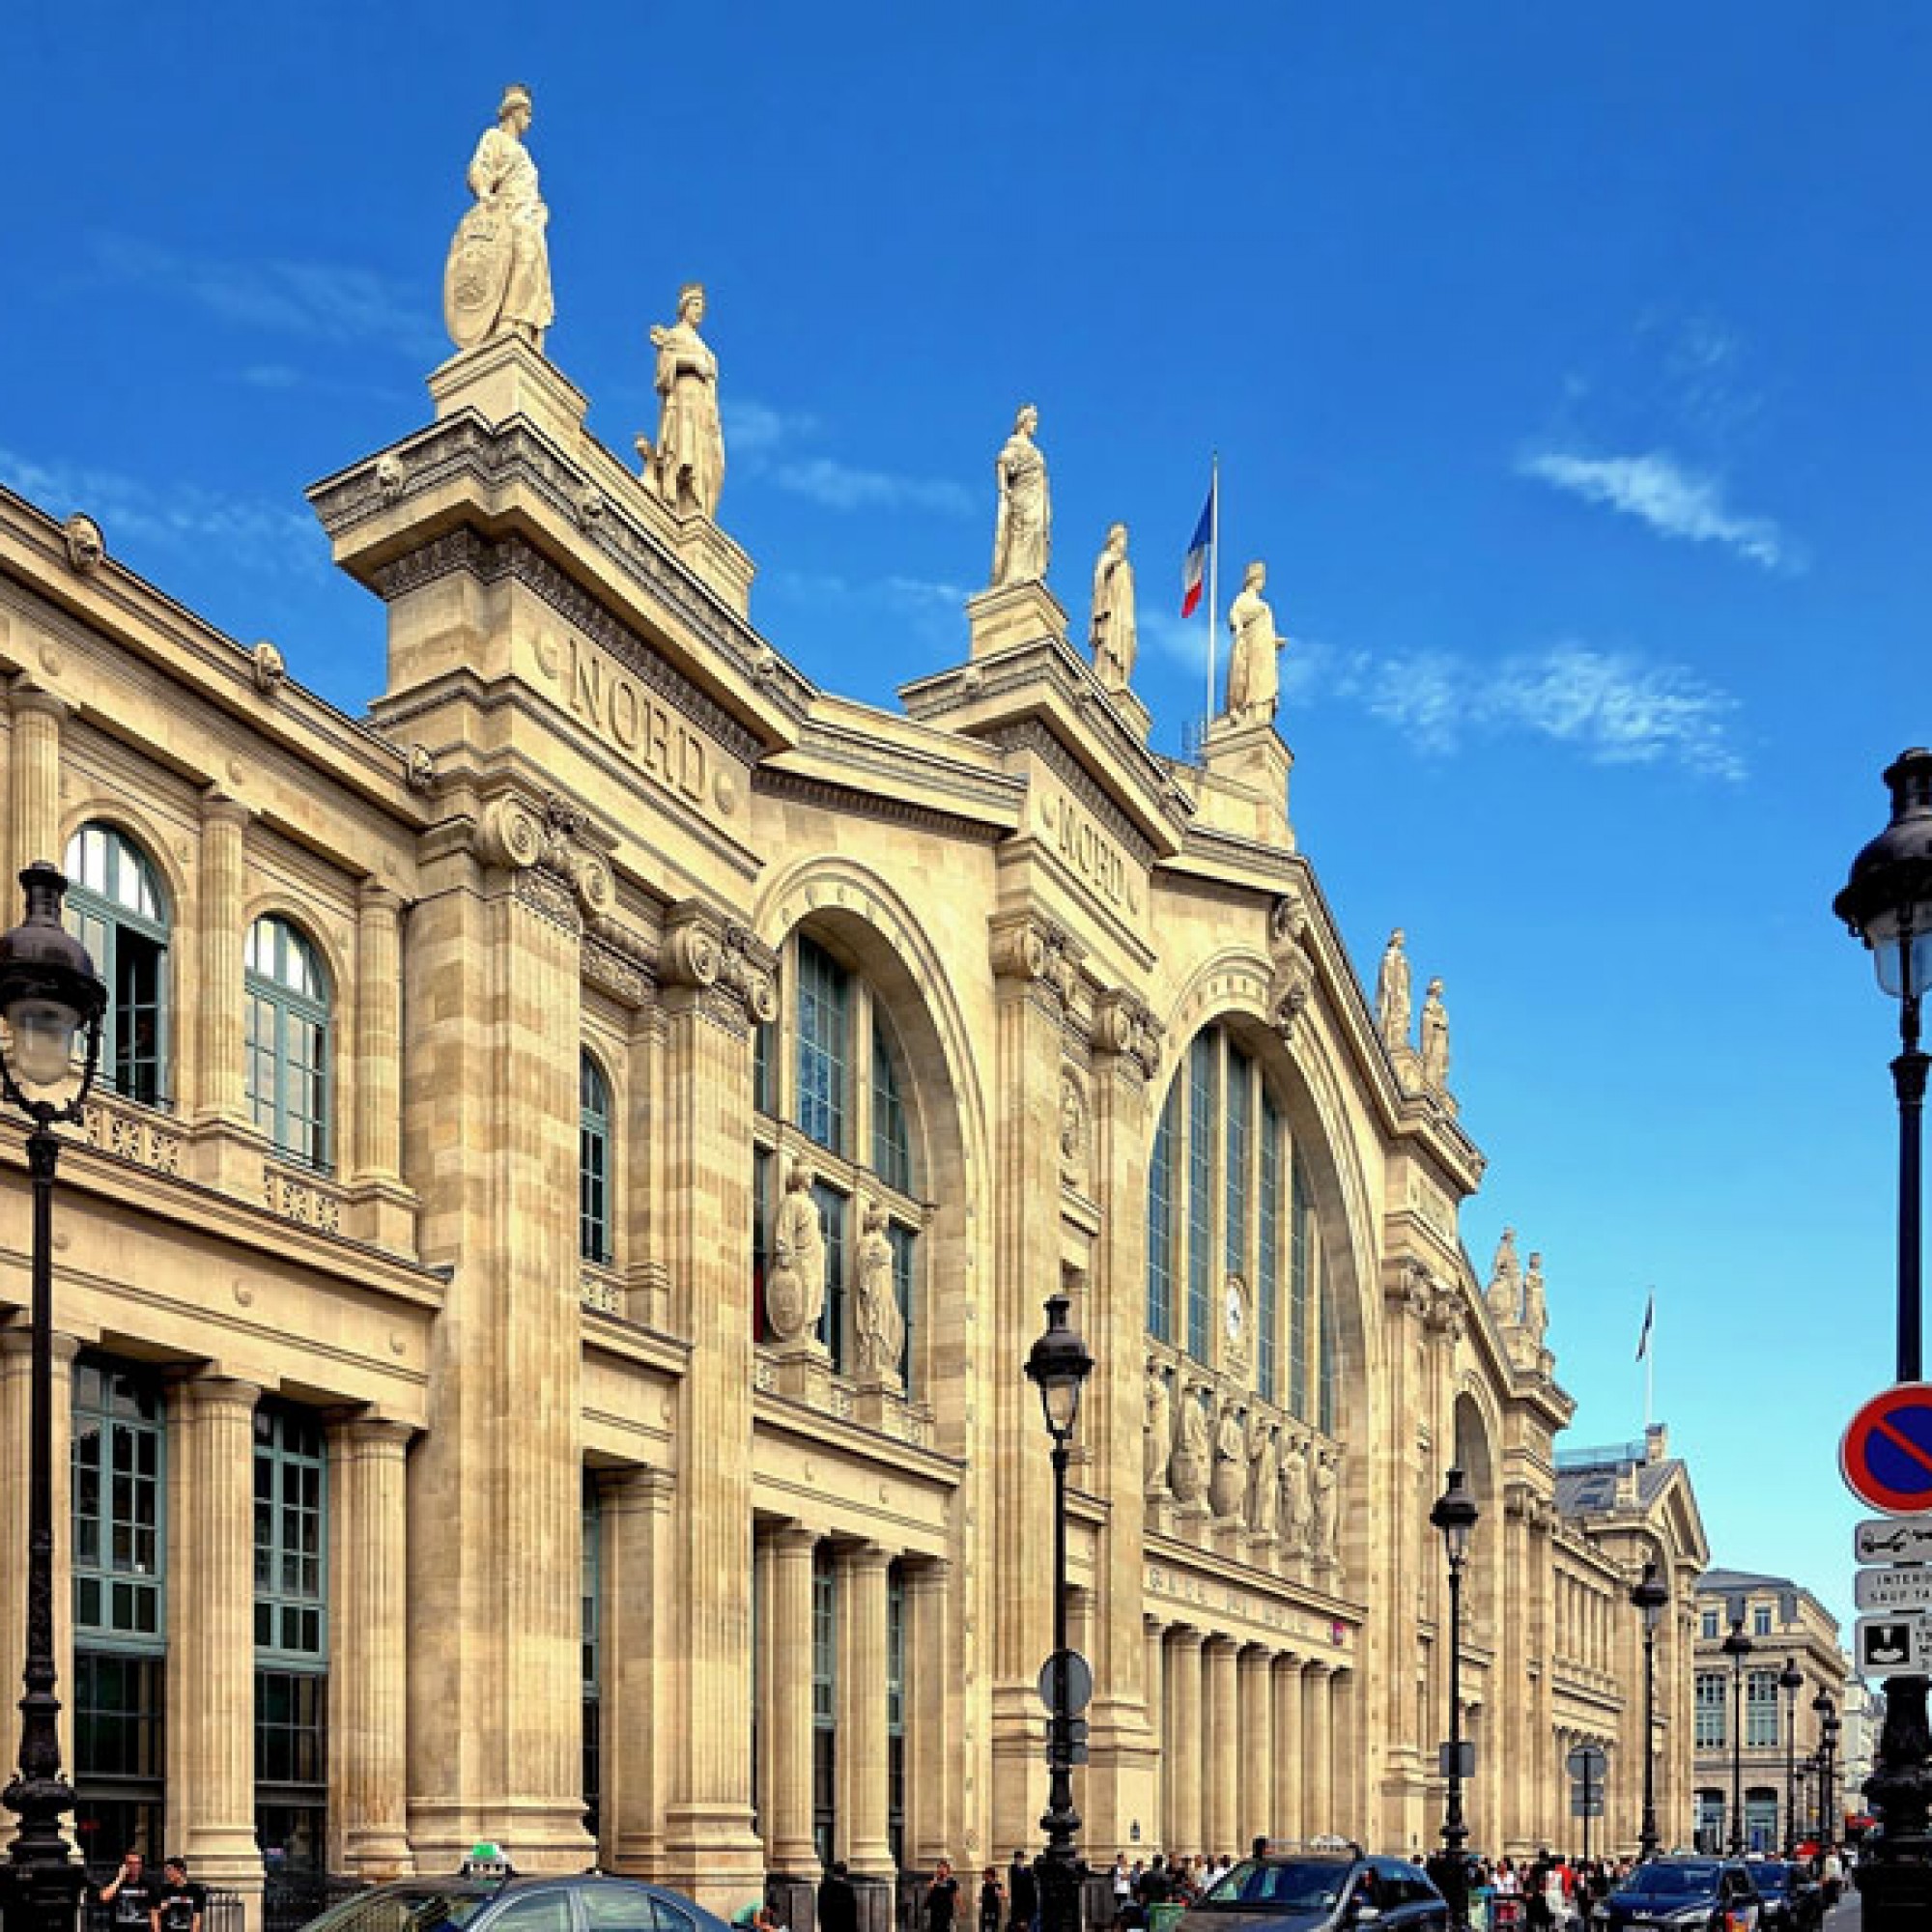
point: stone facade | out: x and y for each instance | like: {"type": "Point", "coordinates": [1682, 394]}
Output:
{"type": "Point", "coordinates": [428, 1206]}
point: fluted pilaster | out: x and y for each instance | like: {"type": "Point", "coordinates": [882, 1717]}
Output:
{"type": "Point", "coordinates": [791, 1849]}
{"type": "Point", "coordinates": [637, 1506]}
{"type": "Point", "coordinates": [1287, 1745]}
{"type": "Point", "coordinates": [34, 800]}
{"type": "Point", "coordinates": [861, 1695]}
{"type": "Point", "coordinates": [1184, 1809]}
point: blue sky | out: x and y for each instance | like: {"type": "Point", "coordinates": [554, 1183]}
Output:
{"type": "Point", "coordinates": [1569, 366]}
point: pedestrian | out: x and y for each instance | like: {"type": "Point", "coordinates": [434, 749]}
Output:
{"type": "Point", "coordinates": [942, 1899]}
{"type": "Point", "coordinates": [178, 1905]}
{"type": "Point", "coordinates": [1124, 1889]}
{"type": "Point", "coordinates": [992, 1900]}
{"type": "Point", "coordinates": [1022, 1894]}
{"type": "Point", "coordinates": [1832, 1873]}
{"type": "Point", "coordinates": [131, 1894]}
{"type": "Point", "coordinates": [837, 1901]}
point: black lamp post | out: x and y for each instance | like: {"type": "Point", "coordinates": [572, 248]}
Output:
{"type": "Point", "coordinates": [1058, 1366]}
{"type": "Point", "coordinates": [50, 993]}
{"type": "Point", "coordinates": [1651, 1595]}
{"type": "Point", "coordinates": [1790, 1680]}
{"type": "Point", "coordinates": [1807, 1770]}
{"type": "Point", "coordinates": [1737, 1647]}
{"type": "Point", "coordinates": [1455, 1514]}
{"type": "Point", "coordinates": [1887, 903]}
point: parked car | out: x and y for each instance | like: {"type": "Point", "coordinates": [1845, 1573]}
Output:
{"type": "Point", "coordinates": [1793, 1901]}
{"type": "Point", "coordinates": [1684, 1896]}
{"type": "Point", "coordinates": [1320, 1891]}
{"type": "Point", "coordinates": [487, 1896]}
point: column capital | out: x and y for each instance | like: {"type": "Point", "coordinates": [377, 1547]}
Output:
{"type": "Point", "coordinates": [369, 1434]}
{"type": "Point", "coordinates": [793, 1539]}
{"type": "Point", "coordinates": [1220, 1645]}
{"type": "Point", "coordinates": [378, 896]}
{"type": "Point", "coordinates": [17, 1338]}
{"type": "Point", "coordinates": [27, 696]}
{"type": "Point", "coordinates": [210, 1388]}
{"type": "Point", "coordinates": [1186, 1637]}
{"type": "Point", "coordinates": [927, 1575]}
{"type": "Point", "coordinates": [865, 1559]}
{"type": "Point", "coordinates": [219, 807]}
{"type": "Point", "coordinates": [635, 1488]}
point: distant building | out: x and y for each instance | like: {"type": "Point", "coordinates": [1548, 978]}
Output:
{"type": "Point", "coordinates": [1784, 1623]}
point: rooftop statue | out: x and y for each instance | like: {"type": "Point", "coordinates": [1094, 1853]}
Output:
{"type": "Point", "coordinates": [1392, 993]}
{"type": "Point", "coordinates": [1504, 1294]}
{"type": "Point", "coordinates": [1435, 1037]}
{"type": "Point", "coordinates": [1535, 1299]}
{"type": "Point", "coordinates": [1254, 678]}
{"type": "Point", "coordinates": [1023, 527]}
{"type": "Point", "coordinates": [1114, 635]}
{"type": "Point", "coordinates": [498, 277]}
{"type": "Point", "coordinates": [687, 469]}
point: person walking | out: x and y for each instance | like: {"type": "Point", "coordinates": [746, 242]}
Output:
{"type": "Point", "coordinates": [942, 1899]}
{"type": "Point", "coordinates": [992, 1900]}
{"type": "Point", "coordinates": [1022, 1894]}
{"type": "Point", "coordinates": [180, 1903]}
{"type": "Point", "coordinates": [837, 1900]}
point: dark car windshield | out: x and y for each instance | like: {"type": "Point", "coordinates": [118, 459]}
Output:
{"type": "Point", "coordinates": [427, 1905]}
{"type": "Point", "coordinates": [1771, 1877]}
{"type": "Point", "coordinates": [1673, 1881]}
{"type": "Point", "coordinates": [1279, 1885]}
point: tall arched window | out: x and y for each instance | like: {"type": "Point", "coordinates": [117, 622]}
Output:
{"type": "Point", "coordinates": [831, 1092]}
{"type": "Point", "coordinates": [1232, 1235]}
{"type": "Point", "coordinates": [288, 1041]}
{"type": "Point", "coordinates": [115, 908]}
{"type": "Point", "coordinates": [594, 1161]}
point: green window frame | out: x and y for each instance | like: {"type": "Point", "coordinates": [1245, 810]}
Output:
{"type": "Point", "coordinates": [1300, 1288]}
{"type": "Point", "coordinates": [1203, 1067]}
{"type": "Point", "coordinates": [288, 1041]}
{"type": "Point", "coordinates": [1237, 1082]}
{"type": "Point", "coordinates": [824, 1045]}
{"type": "Point", "coordinates": [1268, 1301]}
{"type": "Point", "coordinates": [592, 1650]}
{"type": "Point", "coordinates": [117, 909]}
{"type": "Point", "coordinates": [824, 1702]}
{"type": "Point", "coordinates": [891, 1146]}
{"type": "Point", "coordinates": [895, 1713]}
{"type": "Point", "coordinates": [1160, 1224]}
{"type": "Point", "coordinates": [291, 1537]}
{"type": "Point", "coordinates": [594, 1241]}
{"type": "Point", "coordinates": [119, 1468]}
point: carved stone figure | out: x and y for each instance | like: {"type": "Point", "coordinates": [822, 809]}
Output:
{"type": "Point", "coordinates": [686, 470]}
{"type": "Point", "coordinates": [1023, 526]}
{"type": "Point", "coordinates": [880, 1326]}
{"type": "Point", "coordinates": [1113, 634]}
{"type": "Point", "coordinates": [1297, 1506]}
{"type": "Point", "coordinates": [1228, 1491]}
{"type": "Point", "coordinates": [1265, 1478]}
{"type": "Point", "coordinates": [795, 1286]}
{"type": "Point", "coordinates": [1535, 1301]}
{"type": "Point", "coordinates": [498, 278]}
{"type": "Point", "coordinates": [1188, 1474]}
{"type": "Point", "coordinates": [1159, 1425]}
{"type": "Point", "coordinates": [1254, 677]}
{"type": "Point", "coordinates": [86, 547]}
{"type": "Point", "coordinates": [1325, 1484]}
{"type": "Point", "coordinates": [1435, 1037]}
{"type": "Point", "coordinates": [272, 673]}
{"type": "Point", "coordinates": [1392, 993]}
{"type": "Point", "coordinates": [1504, 1294]}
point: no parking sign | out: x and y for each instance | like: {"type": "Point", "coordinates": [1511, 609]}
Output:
{"type": "Point", "coordinates": [1887, 1453]}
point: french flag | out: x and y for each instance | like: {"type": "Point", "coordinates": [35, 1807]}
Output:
{"type": "Point", "coordinates": [1195, 569]}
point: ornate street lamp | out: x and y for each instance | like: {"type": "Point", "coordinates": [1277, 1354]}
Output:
{"type": "Point", "coordinates": [1737, 1647]}
{"type": "Point", "coordinates": [1456, 1516]}
{"type": "Point", "coordinates": [50, 997]}
{"type": "Point", "coordinates": [1790, 1680]}
{"type": "Point", "coordinates": [1058, 1366]}
{"type": "Point", "coordinates": [1887, 903]}
{"type": "Point", "coordinates": [1652, 1596]}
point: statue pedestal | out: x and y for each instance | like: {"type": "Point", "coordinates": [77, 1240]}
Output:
{"type": "Point", "coordinates": [1013, 615]}
{"type": "Point", "coordinates": [703, 548]}
{"type": "Point", "coordinates": [805, 1372]}
{"type": "Point", "coordinates": [1228, 1536]}
{"type": "Point", "coordinates": [877, 1399]}
{"type": "Point", "coordinates": [1260, 1548]}
{"type": "Point", "coordinates": [1159, 1512]}
{"type": "Point", "coordinates": [508, 377]}
{"type": "Point", "coordinates": [1138, 717]}
{"type": "Point", "coordinates": [1252, 756]}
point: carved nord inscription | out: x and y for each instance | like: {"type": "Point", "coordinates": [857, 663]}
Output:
{"type": "Point", "coordinates": [627, 714]}
{"type": "Point", "coordinates": [1102, 867]}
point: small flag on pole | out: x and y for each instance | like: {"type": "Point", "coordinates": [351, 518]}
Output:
{"type": "Point", "coordinates": [1195, 569]}
{"type": "Point", "coordinates": [1649, 1318]}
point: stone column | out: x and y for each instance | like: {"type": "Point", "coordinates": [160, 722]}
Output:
{"type": "Point", "coordinates": [932, 1743]}
{"type": "Point", "coordinates": [1222, 1745]}
{"type": "Point", "coordinates": [1347, 1783]}
{"type": "Point", "coordinates": [1317, 1802]}
{"type": "Point", "coordinates": [1184, 1811]}
{"type": "Point", "coordinates": [211, 1676]}
{"type": "Point", "coordinates": [637, 1506]}
{"type": "Point", "coordinates": [1154, 1635]}
{"type": "Point", "coordinates": [491, 1123]}
{"type": "Point", "coordinates": [1255, 1802]}
{"type": "Point", "coordinates": [709, 1010]}
{"type": "Point", "coordinates": [16, 1455]}
{"type": "Point", "coordinates": [862, 1714]}
{"type": "Point", "coordinates": [219, 1008]}
{"type": "Point", "coordinates": [792, 1853]}
{"type": "Point", "coordinates": [34, 804]}
{"type": "Point", "coordinates": [368, 1638]}
{"type": "Point", "coordinates": [1287, 1748]}
{"type": "Point", "coordinates": [383, 1206]}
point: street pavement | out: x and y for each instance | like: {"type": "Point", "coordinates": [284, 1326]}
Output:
{"type": "Point", "coordinates": [1845, 1915]}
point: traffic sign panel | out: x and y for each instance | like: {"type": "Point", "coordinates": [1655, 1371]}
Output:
{"type": "Point", "coordinates": [1891, 1589]}
{"type": "Point", "coordinates": [1901, 1646]}
{"type": "Point", "coordinates": [1587, 1763]}
{"type": "Point", "coordinates": [1892, 1539]}
{"type": "Point", "coordinates": [1886, 1452]}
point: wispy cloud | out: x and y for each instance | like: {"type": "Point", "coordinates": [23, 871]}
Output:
{"type": "Point", "coordinates": [1675, 502]}
{"type": "Point", "coordinates": [246, 530]}
{"type": "Point", "coordinates": [327, 302]}
{"type": "Point", "coordinates": [1612, 707]}
{"type": "Point", "coordinates": [920, 596]}
{"type": "Point", "coordinates": [767, 442]}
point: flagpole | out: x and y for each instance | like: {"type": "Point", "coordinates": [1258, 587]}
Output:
{"type": "Point", "coordinates": [1213, 577]}
{"type": "Point", "coordinates": [1650, 1367]}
